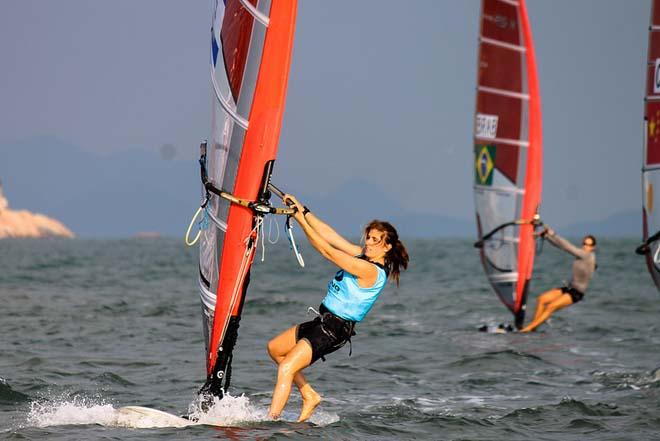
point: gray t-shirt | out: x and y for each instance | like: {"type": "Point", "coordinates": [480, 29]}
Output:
{"type": "Point", "coordinates": [584, 265]}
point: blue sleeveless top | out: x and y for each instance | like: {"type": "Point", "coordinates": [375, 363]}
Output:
{"type": "Point", "coordinates": [348, 300]}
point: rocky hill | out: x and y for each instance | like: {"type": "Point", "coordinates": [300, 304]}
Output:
{"type": "Point", "coordinates": [22, 223]}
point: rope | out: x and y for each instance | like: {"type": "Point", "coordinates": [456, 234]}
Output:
{"type": "Point", "coordinates": [199, 232]}
{"type": "Point", "coordinates": [292, 242]}
{"type": "Point", "coordinates": [263, 241]}
{"type": "Point", "coordinates": [272, 221]}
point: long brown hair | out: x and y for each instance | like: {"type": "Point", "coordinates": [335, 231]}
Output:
{"type": "Point", "coordinates": [397, 257]}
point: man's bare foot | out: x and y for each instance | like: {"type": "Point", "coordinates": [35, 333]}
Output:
{"type": "Point", "coordinates": [310, 401]}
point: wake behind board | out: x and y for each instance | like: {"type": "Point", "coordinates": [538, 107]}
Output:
{"type": "Point", "coordinates": [146, 417]}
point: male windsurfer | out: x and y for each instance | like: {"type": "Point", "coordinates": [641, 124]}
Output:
{"type": "Point", "coordinates": [563, 297]}
{"type": "Point", "coordinates": [351, 294]}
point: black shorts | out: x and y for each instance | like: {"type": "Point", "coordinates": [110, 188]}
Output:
{"type": "Point", "coordinates": [576, 295]}
{"type": "Point", "coordinates": [325, 333]}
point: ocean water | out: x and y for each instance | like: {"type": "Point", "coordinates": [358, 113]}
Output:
{"type": "Point", "coordinates": [89, 326]}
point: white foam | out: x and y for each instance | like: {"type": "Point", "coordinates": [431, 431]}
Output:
{"type": "Point", "coordinates": [79, 410]}
{"type": "Point", "coordinates": [236, 411]}
{"type": "Point", "coordinates": [230, 411]}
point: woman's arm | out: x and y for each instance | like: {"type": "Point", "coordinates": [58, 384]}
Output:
{"type": "Point", "coordinates": [325, 231]}
{"type": "Point", "coordinates": [331, 236]}
{"type": "Point", "coordinates": [365, 272]}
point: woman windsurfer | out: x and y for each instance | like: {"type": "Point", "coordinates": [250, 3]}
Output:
{"type": "Point", "coordinates": [583, 269]}
{"type": "Point", "coordinates": [351, 294]}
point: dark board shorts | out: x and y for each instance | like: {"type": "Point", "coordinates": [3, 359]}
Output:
{"type": "Point", "coordinates": [326, 333]}
{"type": "Point", "coordinates": [576, 295]}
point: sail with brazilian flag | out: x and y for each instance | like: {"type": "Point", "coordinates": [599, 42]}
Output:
{"type": "Point", "coordinates": [651, 154]}
{"type": "Point", "coordinates": [507, 151]}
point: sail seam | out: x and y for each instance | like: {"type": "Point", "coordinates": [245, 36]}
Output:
{"type": "Point", "coordinates": [508, 239]}
{"type": "Point", "coordinates": [500, 189]}
{"type": "Point", "coordinates": [219, 223]}
{"type": "Point", "coordinates": [505, 141]}
{"type": "Point", "coordinates": [508, 277]}
{"type": "Point", "coordinates": [510, 2]}
{"type": "Point", "coordinates": [208, 298]}
{"type": "Point", "coordinates": [224, 104]}
{"type": "Point", "coordinates": [500, 43]}
{"type": "Point", "coordinates": [260, 17]}
{"type": "Point", "coordinates": [502, 92]}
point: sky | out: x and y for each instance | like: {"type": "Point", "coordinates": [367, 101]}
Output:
{"type": "Point", "coordinates": [380, 91]}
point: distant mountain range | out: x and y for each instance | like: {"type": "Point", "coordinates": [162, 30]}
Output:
{"type": "Point", "coordinates": [97, 195]}
{"type": "Point", "coordinates": [136, 192]}
{"type": "Point", "coordinates": [622, 224]}
{"type": "Point", "coordinates": [356, 202]}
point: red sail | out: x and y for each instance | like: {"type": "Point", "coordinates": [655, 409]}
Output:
{"type": "Point", "coordinates": [252, 44]}
{"type": "Point", "coordinates": [508, 150]}
{"type": "Point", "coordinates": [651, 156]}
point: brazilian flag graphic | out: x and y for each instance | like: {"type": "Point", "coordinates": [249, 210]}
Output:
{"type": "Point", "coordinates": [484, 164]}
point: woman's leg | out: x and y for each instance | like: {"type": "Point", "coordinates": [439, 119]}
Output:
{"type": "Point", "coordinates": [278, 349]}
{"type": "Point", "coordinates": [298, 358]}
{"type": "Point", "coordinates": [544, 300]}
{"type": "Point", "coordinates": [280, 346]}
{"type": "Point", "coordinates": [562, 302]}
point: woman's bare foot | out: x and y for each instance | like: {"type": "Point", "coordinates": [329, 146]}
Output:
{"type": "Point", "coordinates": [311, 399]}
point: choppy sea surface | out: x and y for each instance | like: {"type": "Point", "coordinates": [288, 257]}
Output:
{"type": "Point", "coordinates": [89, 326]}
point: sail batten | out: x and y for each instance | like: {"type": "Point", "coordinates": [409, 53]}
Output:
{"type": "Point", "coordinates": [502, 44]}
{"type": "Point", "coordinates": [261, 18]}
{"type": "Point", "coordinates": [516, 142]}
{"type": "Point", "coordinates": [512, 190]}
{"type": "Point", "coordinates": [503, 92]}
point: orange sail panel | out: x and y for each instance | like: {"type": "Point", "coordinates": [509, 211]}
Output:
{"type": "Point", "coordinates": [651, 155]}
{"type": "Point", "coordinates": [251, 48]}
{"type": "Point", "coordinates": [507, 149]}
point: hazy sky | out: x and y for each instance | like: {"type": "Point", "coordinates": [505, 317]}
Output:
{"type": "Point", "coordinates": [379, 90]}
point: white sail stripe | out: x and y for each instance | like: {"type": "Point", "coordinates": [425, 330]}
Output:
{"type": "Point", "coordinates": [654, 28]}
{"type": "Point", "coordinates": [218, 222]}
{"type": "Point", "coordinates": [207, 297]}
{"type": "Point", "coordinates": [513, 190]}
{"type": "Point", "coordinates": [502, 44]}
{"type": "Point", "coordinates": [509, 239]}
{"type": "Point", "coordinates": [506, 277]}
{"type": "Point", "coordinates": [505, 141]}
{"type": "Point", "coordinates": [652, 97]}
{"type": "Point", "coordinates": [502, 92]}
{"type": "Point", "coordinates": [224, 104]}
{"type": "Point", "coordinates": [510, 2]}
{"type": "Point", "coordinates": [651, 168]}
{"type": "Point", "coordinates": [259, 16]}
